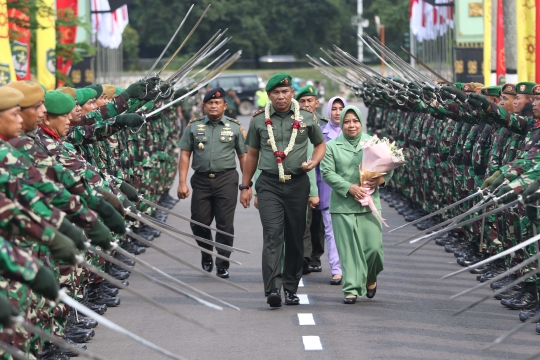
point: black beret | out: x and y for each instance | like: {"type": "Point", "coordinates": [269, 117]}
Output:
{"type": "Point", "coordinates": [215, 93]}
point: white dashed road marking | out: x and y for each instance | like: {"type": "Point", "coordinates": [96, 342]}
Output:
{"type": "Point", "coordinates": [303, 299]}
{"type": "Point", "coordinates": [306, 319]}
{"type": "Point", "coordinates": [312, 343]}
{"type": "Point", "coordinates": [301, 283]}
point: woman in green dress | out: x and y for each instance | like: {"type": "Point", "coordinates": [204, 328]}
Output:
{"type": "Point", "coordinates": [357, 231]}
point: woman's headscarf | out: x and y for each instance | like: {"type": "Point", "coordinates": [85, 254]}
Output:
{"type": "Point", "coordinates": [333, 129]}
{"type": "Point", "coordinates": [352, 140]}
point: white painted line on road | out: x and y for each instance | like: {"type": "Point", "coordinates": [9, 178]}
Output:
{"type": "Point", "coordinates": [303, 299]}
{"type": "Point", "coordinates": [301, 283]}
{"type": "Point", "coordinates": [306, 319]}
{"type": "Point", "coordinates": [312, 343]}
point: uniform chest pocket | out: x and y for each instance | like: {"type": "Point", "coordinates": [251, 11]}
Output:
{"type": "Point", "coordinates": [201, 138]}
{"type": "Point", "coordinates": [301, 135]}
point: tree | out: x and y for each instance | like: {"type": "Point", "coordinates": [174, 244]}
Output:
{"type": "Point", "coordinates": [130, 47]}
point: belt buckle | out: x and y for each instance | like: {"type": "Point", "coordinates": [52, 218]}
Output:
{"type": "Point", "coordinates": [211, 175]}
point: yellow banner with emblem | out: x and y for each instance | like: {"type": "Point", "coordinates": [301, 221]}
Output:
{"type": "Point", "coordinates": [45, 48]}
{"type": "Point", "coordinates": [526, 39]}
{"type": "Point", "coordinates": [7, 71]}
{"type": "Point", "coordinates": [487, 42]}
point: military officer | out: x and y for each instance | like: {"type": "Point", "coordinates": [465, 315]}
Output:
{"type": "Point", "coordinates": [213, 140]}
{"type": "Point", "coordinates": [279, 136]}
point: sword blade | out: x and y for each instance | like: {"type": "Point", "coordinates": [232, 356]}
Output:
{"type": "Point", "coordinates": [206, 241]}
{"type": "Point", "coordinates": [427, 67]}
{"type": "Point", "coordinates": [107, 323]}
{"type": "Point", "coordinates": [176, 237]}
{"type": "Point", "coordinates": [501, 338]}
{"type": "Point", "coordinates": [198, 269]}
{"type": "Point", "coordinates": [170, 42]}
{"type": "Point", "coordinates": [439, 211]}
{"type": "Point", "coordinates": [183, 217]}
{"type": "Point", "coordinates": [384, 61]}
{"type": "Point", "coordinates": [185, 40]}
{"type": "Point", "coordinates": [55, 340]}
{"type": "Point", "coordinates": [152, 279]}
{"type": "Point", "coordinates": [181, 283]}
{"type": "Point", "coordinates": [141, 296]}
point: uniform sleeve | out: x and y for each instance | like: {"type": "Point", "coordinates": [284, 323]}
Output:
{"type": "Point", "coordinates": [253, 137]}
{"type": "Point", "coordinates": [241, 147]}
{"type": "Point", "coordinates": [186, 142]}
{"type": "Point", "coordinates": [17, 264]}
{"type": "Point", "coordinates": [313, 189]}
{"type": "Point", "coordinates": [328, 171]}
{"type": "Point", "coordinates": [315, 134]}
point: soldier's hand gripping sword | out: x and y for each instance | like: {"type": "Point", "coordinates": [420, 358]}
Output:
{"type": "Point", "coordinates": [181, 283]}
{"type": "Point", "coordinates": [107, 323]}
{"type": "Point", "coordinates": [152, 279]}
{"type": "Point", "coordinates": [183, 262]}
{"type": "Point", "coordinates": [184, 217]}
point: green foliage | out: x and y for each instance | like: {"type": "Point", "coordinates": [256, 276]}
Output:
{"type": "Point", "coordinates": [130, 47]}
{"type": "Point", "coordinates": [277, 26]}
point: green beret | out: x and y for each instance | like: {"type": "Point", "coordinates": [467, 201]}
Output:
{"type": "Point", "coordinates": [278, 80]}
{"type": "Point", "coordinates": [85, 94]}
{"type": "Point", "coordinates": [306, 91]}
{"type": "Point", "coordinates": [119, 91]}
{"type": "Point", "coordinates": [525, 87]}
{"type": "Point", "coordinates": [58, 103]}
{"type": "Point", "coordinates": [491, 90]}
{"type": "Point", "coordinates": [98, 88]}
{"type": "Point", "coordinates": [10, 97]}
{"type": "Point", "coordinates": [459, 85]}
{"type": "Point", "coordinates": [509, 89]}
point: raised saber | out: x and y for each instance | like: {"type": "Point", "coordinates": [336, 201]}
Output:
{"type": "Point", "coordinates": [183, 262]}
{"type": "Point", "coordinates": [141, 296]}
{"type": "Point", "coordinates": [428, 68]}
{"type": "Point", "coordinates": [152, 279]}
{"type": "Point", "coordinates": [176, 237]}
{"type": "Point", "coordinates": [501, 338]}
{"type": "Point", "coordinates": [206, 241]}
{"type": "Point", "coordinates": [169, 44]}
{"type": "Point", "coordinates": [185, 40]}
{"type": "Point", "coordinates": [384, 61]}
{"type": "Point", "coordinates": [107, 323]}
{"type": "Point", "coordinates": [439, 211]}
{"type": "Point", "coordinates": [181, 283]}
{"type": "Point", "coordinates": [55, 340]}
{"type": "Point", "coordinates": [183, 217]}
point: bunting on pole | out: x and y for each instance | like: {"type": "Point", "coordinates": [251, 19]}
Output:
{"type": "Point", "coordinates": [20, 46]}
{"type": "Point", "coordinates": [501, 57]}
{"type": "Point", "coordinates": [68, 34]}
{"type": "Point", "coordinates": [427, 22]}
{"type": "Point", "coordinates": [45, 49]}
{"type": "Point", "coordinates": [487, 42]}
{"type": "Point", "coordinates": [526, 39]}
{"type": "Point", "coordinates": [7, 71]}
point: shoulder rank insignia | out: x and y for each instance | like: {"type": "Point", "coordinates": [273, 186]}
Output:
{"type": "Point", "coordinates": [258, 112]}
{"type": "Point", "coordinates": [196, 119]}
{"type": "Point", "coordinates": [234, 121]}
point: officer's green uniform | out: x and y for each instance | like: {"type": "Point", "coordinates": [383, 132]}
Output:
{"type": "Point", "coordinates": [282, 206]}
{"type": "Point", "coordinates": [215, 182]}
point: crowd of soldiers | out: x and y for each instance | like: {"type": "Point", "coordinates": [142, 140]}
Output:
{"type": "Point", "coordinates": [461, 139]}
{"type": "Point", "coordinates": [74, 164]}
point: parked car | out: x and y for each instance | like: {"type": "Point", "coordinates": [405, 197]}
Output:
{"type": "Point", "coordinates": [245, 86]}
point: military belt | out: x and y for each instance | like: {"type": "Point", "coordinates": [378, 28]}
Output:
{"type": "Point", "coordinates": [213, 175]}
{"type": "Point", "coordinates": [276, 176]}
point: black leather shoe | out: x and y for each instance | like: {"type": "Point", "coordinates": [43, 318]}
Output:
{"type": "Point", "coordinates": [131, 248]}
{"type": "Point", "coordinates": [371, 293]}
{"type": "Point", "coordinates": [502, 283]}
{"type": "Point", "coordinates": [480, 270]}
{"type": "Point", "coordinates": [79, 335]}
{"type": "Point", "coordinates": [100, 309]}
{"type": "Point", "coordinates": [527, 314]}
{"type": "Point", "coordinates": [315, 268]}
{"type": "Point", "coordinates": [306, 269]}
{"type": "Point", "coordinates": [538, 328]}
{"type": "Point", "coordinates": [527, 298]}
{"type": "Point", "coordinates": [86, 323]}
{"type": "Point", "coordinates": [350, 300]}
{"type": "Point", "coordinates": [119, 275]}
{"type": "Point", "coordinates": [103, 290]}
{"type": "Point", "coordinates": [508, 294]}
{"type": "Point", "coordinates": [291, 299]}
{"type": "Point", "coordinates": [111, 285]}
{"type": "Point", "coordinates": [274, 299]}
{"type": "Point", "coordinates": [455, 246]}
{"type": "Point", "coordinates": [102, 299]}
{"type": "Point", "coordinates": [336, 281]}
{"type": "Point", "coordinates": [207, 264]}
{"type": "Point", "coordinates": [222, 273]}
{"type": "Point", "coordinates": [124, 259]}
{"type": "Point", "coordinates": [146, 235]}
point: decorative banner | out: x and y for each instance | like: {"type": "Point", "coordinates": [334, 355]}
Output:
{"type": "Point", "coordinates": [7, 71]}
{"type": "Point", "coordinates": [68, 34]}
{"type": "Point", "coordinates": [501, 58]}
{"type": "Point", "coordinates": [487, 42]}
{"type": "Point", "coordinates": [45, 49]}
{"type": "Point", "coordinates": [526, 39]}
{"type": "Point", "coordinates": [20, 46]}
{"type": "Point", "coordinates": [537, 44]}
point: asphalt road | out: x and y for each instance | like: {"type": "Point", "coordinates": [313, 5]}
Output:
{"type": "Point", "coordinates": [409, 318]}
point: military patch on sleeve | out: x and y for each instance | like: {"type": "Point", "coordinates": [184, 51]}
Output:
{"type": "Point", "coordinates": [196, 119]}
{"type": "Point", "coordinates": [258, 112]}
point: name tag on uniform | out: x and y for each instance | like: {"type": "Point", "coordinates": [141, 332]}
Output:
{"type": "Point", "coordinates": [226, 133]}
{"type": "Point", "coordinates": [201, 133]}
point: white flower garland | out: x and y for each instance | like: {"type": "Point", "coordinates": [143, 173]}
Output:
{"type": "Point", "coordinates": [280, 155]}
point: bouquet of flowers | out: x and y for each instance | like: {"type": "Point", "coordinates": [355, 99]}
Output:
{"type": "Point", "coordinates": [380, 157]}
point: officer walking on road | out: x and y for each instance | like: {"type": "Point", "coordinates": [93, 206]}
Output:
{"type": "Point", "coordinates": [280, 135]}
{"type": "Point", "coordinates": [213, 140]}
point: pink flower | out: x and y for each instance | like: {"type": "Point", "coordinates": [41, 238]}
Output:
{"type": "Point", "coordinates": [296, 124]}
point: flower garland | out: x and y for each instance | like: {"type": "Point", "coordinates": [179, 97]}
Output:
{"type": "Point", "coordinates": [280, 155]}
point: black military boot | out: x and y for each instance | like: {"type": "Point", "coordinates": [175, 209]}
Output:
{"type": "Point", "coordinates": [525, 315]}
{"type": "Point", "coordinates": [527, 298]}
{"type": "Point", "coordinates": [503, 282]}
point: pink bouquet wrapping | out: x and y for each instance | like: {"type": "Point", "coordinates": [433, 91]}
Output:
{"type": "Point", "coordinates": [379, 158]}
